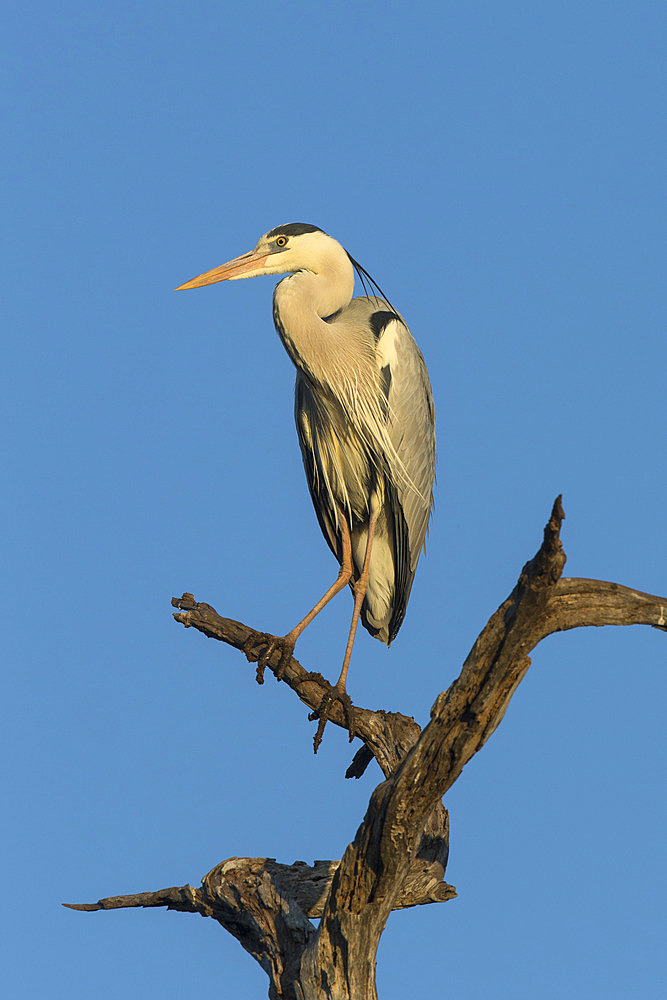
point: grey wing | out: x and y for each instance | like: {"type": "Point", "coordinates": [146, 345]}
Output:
{"type": "Point", "coordinates": [320, 492]}
{"type": "Point", "coordinates": [411, 425]}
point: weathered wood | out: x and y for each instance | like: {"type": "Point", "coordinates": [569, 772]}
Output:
{"type": "Point", "coordinates": [306, 885]}
{"type": "Point", "coordinates": [399, 854]}
{"type": "Point", "coordinates": [387, 735]}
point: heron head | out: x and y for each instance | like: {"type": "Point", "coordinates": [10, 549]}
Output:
{"type": "Point", "coordinates": [296, 246]}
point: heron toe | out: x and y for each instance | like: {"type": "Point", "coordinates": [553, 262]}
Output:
{"type": "Point", "coordinates": [335, 693]}
{"type": "Point", "coordinates": [270, 643]}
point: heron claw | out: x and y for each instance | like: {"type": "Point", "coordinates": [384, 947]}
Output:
{"type": "Point", "coordinates": [271, 643]}
{"type": "Point", "coordinates": [335, 693]}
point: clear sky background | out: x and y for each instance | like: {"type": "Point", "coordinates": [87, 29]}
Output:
{"type": "Point", "coordinates": [499, 169]}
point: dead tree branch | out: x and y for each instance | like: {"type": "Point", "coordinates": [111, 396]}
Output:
{"type": "Point", "coordinates": [399, 854]}
{"type": "Point", "coordinates": [386, 735]}
{"type": "Point", "coordinates": [306, 885]}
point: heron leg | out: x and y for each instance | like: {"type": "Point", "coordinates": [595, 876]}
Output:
{"type": "Point", "coordinates": [341, 581]}
{"type": "Point", "coordinates": [286, 643]}
{"type": "Point", "coordinates": [360, 588]}
{"type": "Point", "coordinates": [339, 691]}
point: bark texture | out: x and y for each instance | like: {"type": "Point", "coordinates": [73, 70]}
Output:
{"type": "Point", "coordinates": [398, 856]}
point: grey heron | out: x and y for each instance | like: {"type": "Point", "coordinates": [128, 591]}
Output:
{"type": "Point", "coordinates": [365, 421]}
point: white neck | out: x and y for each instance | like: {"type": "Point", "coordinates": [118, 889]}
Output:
{"type": "Point", "coordinates": [301, 303]}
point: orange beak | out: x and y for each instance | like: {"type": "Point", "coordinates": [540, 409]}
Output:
{"type": "Point", "coordinates": [245, 266]}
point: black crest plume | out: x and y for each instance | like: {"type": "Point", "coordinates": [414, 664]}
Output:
{"type": "Point", "coordinates": [375, 291]}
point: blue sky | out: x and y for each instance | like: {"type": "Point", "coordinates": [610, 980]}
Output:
{"type": "Point", "coordinates": [499, 169]}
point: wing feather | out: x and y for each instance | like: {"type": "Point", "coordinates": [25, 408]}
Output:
{"type": "Point", "coordinates": [411, 426]}
{"type": "Point", "coordinates": [304, 408]}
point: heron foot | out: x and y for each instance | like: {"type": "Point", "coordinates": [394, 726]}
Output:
{"type": "Point", "coordinates": [335, 693]}
{"type": "Point", "coordinates": [285, 643]}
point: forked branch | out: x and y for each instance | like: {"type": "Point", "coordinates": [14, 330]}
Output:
{"type": "Point", "coordinates": [399, 853]}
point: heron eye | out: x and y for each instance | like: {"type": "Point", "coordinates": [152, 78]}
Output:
{"type": "Point", "coordinates": [281, 241]}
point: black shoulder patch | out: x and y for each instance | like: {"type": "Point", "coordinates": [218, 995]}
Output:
{"type": "Point", "coordinates": [380, 320]}
{"type": "Point", "coordinates": [294, 229]}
